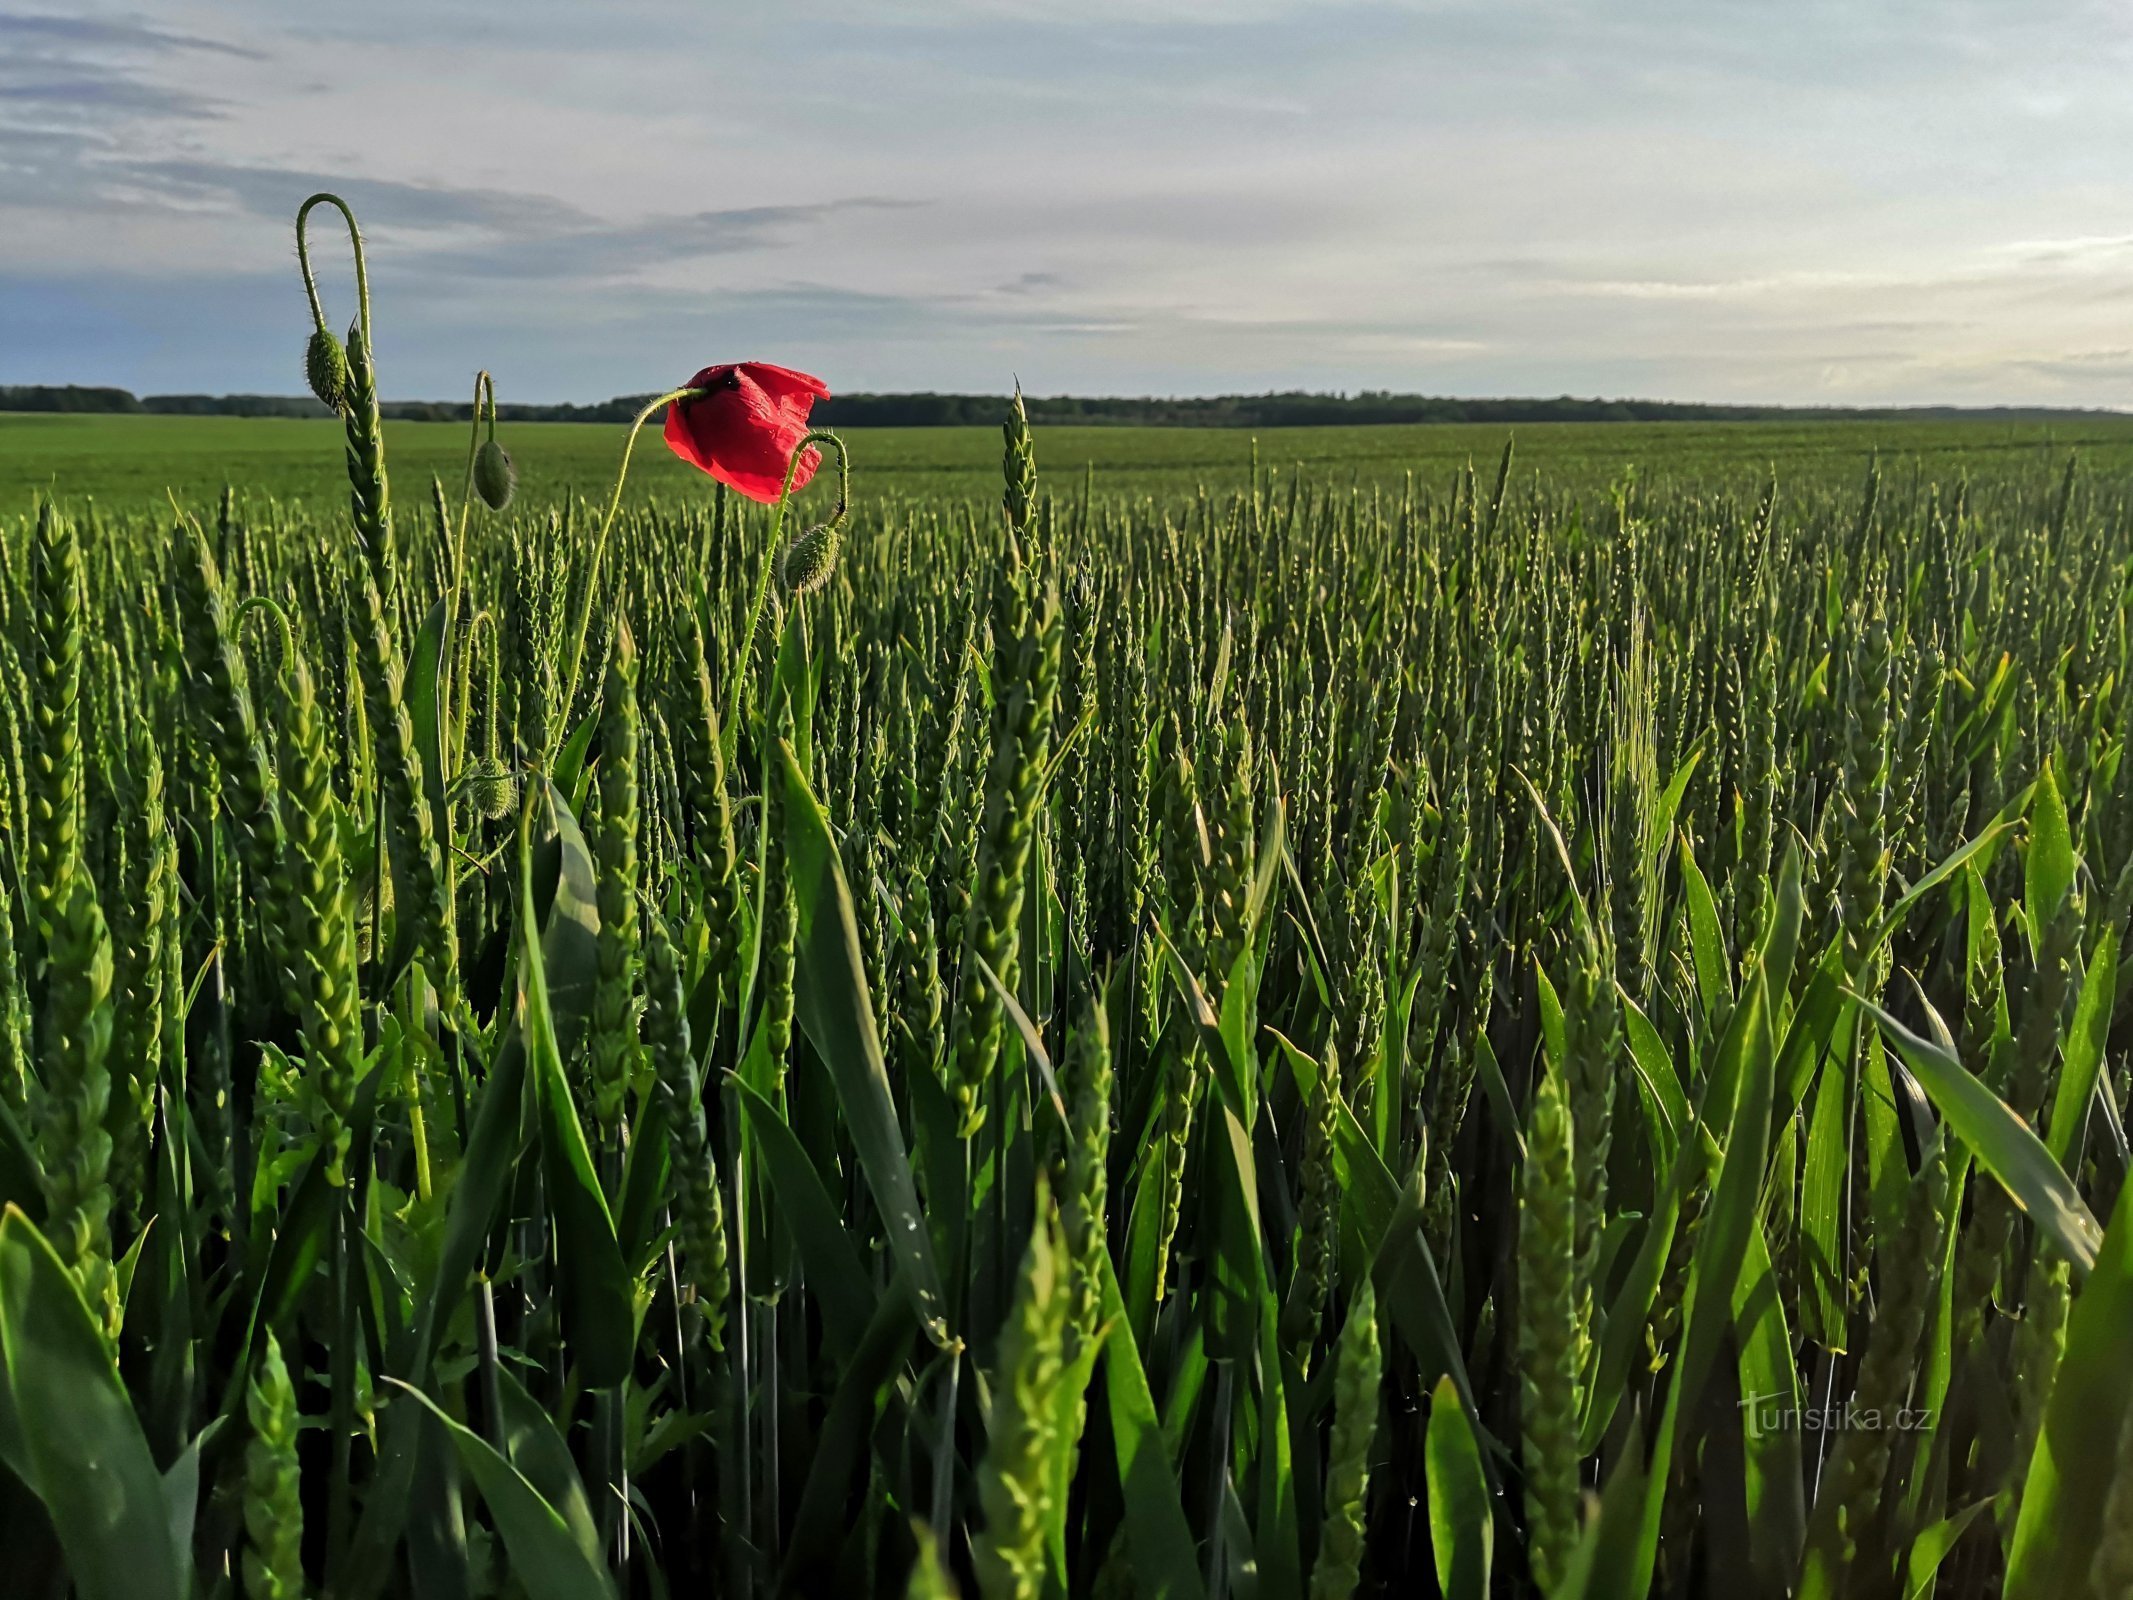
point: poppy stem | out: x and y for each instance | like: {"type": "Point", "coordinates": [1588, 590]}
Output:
{"type": "Point", "coordinates": [592, 577]}
{"type": "Point", "coordinates": [483, 385]}
{"type": "Point", "coordinates": [746, 639]}
{"type": "Point", "coordinates": [355, 245]}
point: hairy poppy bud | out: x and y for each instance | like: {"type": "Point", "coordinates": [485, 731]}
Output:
{"type": "Point", "coordinates": [326, 368]}
{"type": "Point", "coordinates": [489, 786]}
{"type": "Point", "coordinates": [811, 558]}
{"type": "Point", "coordinates": [495, 475]}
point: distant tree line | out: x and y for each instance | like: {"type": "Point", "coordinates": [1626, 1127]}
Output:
{"type": "Point", "coordinates": [1292, 409]}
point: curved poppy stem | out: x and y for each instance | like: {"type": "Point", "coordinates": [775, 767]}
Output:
{"type": "Point", "coordinates": [355, 245]}
{"type": "Point", "coordinates": [746, 638]}
{"type": "Point", "coordinates": [607, 523]}
{"type": "Point", "coordinates": [484, 385]}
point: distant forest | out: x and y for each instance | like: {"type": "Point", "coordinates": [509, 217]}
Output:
{"type": "Point", "coordinates": [1285, 410]}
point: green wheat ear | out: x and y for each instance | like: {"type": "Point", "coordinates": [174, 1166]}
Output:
{"type": "Point", "coordinates": [273, 1504]}
{"type": "Point", "coordinates": [614, 1033]}
{"type": "Point", "coordinates": [1548, 1343]}
{"type": "Point", "coordinates": [1356, 1379]}
{"type": "Point", "coordinates": [1015, 1480]}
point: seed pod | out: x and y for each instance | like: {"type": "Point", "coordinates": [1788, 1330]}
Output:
{"type": "Point", "coordinates": [495, 475]}
{"type": "Point", "coordinates": [326, 368]}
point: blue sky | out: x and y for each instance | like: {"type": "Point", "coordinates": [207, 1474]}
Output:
{"type": "Point", "coordinates": [1807, 201]}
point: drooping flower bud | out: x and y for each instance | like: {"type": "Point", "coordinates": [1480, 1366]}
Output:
{"type": "Point", "coordinates": [810, 559]}
{"type": "Point", "coordinates": [326, 368]}
{"type": "Point", "coordinates": [495, 475]}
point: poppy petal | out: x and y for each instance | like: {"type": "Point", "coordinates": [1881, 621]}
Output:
{"type": "Point", "coordinates": [743, 430]}
{"type": "Point", "coordinates": [782, 381]}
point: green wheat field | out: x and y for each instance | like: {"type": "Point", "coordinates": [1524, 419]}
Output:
{"type": "Point", "coordinates": [1130, 1013]}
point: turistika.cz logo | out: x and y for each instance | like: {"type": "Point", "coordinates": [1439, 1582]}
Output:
{"type": "Point", "coordinates": [1775, 1413]}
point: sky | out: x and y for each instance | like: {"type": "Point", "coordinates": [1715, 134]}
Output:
{"type": "Point", "coordinates": [1794, 201]}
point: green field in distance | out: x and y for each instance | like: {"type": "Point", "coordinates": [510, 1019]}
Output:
{"type": "Point", "coordinates": [131, 463]}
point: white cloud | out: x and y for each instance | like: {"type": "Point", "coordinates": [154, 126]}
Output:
{"type": "Point", "coordinates": [1726, 200]}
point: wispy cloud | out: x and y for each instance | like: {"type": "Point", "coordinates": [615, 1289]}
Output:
{"type": "Point", "coordinates": [1897, 202]}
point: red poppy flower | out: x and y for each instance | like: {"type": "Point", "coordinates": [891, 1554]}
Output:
{"type": "Point", "coordinates": [743, 430]}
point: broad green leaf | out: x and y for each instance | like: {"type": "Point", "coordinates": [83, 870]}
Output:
{"type": "Point", "coordinates": [1931, 1548]}
{"type": "Point", "coordinates": [2048, 868]}
{"type": "Point", "coordinates": [836, 1272]}
{"type": "Point", "coordinates": [2003, 1143]}
{"type": "Point", "coordinates": [1165, 1559]}
{"type": "Point", "coordinates": [1630, 1312]}
{"type": "Point", "coordinates": [1777, 1508]}
{"type": "Point", "coordinates": [1462, 1530]}
{"type": "Point", "coordinates": [1411, 1295]}
{"type": "Point", "coordinates": [1823, 1242]}
{"type": "Point", "coordinates": [2076, 1460]}
{"type": "Point", "coordinates": [1707, 946]}
{"type": "Point", "coordinates": [1368, 1192]}
{"type": "Point", "coordinates": [536, 1448]}
{"type": "Point", "coordinates": [835, 1010]}
{"type": "Point", "coordinates": [1657, 1081]}
{"type": "Point", "coordinates": [1554, 1043]}
{"type": "Point", "coordinates": [88, 1459]}
{"type": "Point", "coordinates": [842, 1444]}
{"type": "Point", "coordinates": [597, 1297]}
{"type": "Point", "coordinates": [502, 1128]}
{"type": "Point", "coordinates": [1613, 1555]}
{"type": "Point", "coordinates": [1277, 1535]}
{"type": "Point", "coordinates": [1722, 1247]}
{"type": "Point", "coordinates": [2083, 1057]}
{"type": "Point", "coordinates": [545, 1555]}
